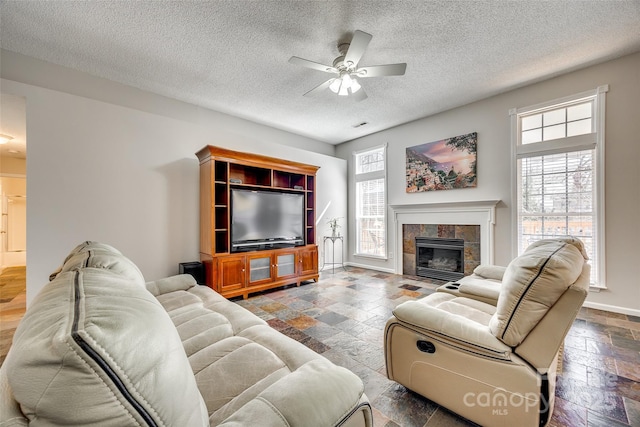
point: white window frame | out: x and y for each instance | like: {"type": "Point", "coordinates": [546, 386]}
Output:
{"type": "Point", "coordinates": [593, 140]}
{"type": "Point", "coordinates": [368, 176]}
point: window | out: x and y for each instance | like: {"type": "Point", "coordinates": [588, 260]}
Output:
{"type": "Point", "coordinates": [559, 176]}
{"type": "Point", "coordinates": [371, 182]}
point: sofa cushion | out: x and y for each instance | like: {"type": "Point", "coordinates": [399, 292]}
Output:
{"type": "Point", "coordinates": [247, 372]}
{"type": "Point", "coordinates": [532, 283]}
{"type": "Point", "coordinates": [96, 348]}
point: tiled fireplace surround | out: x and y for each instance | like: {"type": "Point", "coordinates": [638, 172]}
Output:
{"type": "Point", "coordinates": [471, 221]}
{"type": "Point", "coordinates": [469, 233]}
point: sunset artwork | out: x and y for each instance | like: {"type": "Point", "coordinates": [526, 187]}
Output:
{"type": "Point", "coordinates": [442, 165]}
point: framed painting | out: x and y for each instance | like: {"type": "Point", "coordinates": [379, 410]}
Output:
{"type": "Point", "coordinates": [442, 165]}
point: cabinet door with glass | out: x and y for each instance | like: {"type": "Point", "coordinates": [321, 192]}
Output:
{"type": "Point", "coordinates": [260, 268]}
{"type": "Point", "coordinates": [285, 264]}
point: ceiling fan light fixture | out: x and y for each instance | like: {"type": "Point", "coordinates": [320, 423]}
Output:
{"type": "Point", "coordinates": [335, 85]}
{"type": "Point", "coordinates": [347, 69]}
{"type": "Point", "coordinates": [5, 138]}
{"type": "Point", "coordinates": [344, 89]}
{"type": "Point", "coordinates": [355, 86]}
{"type": "Point", "coordinates": [345, 85]}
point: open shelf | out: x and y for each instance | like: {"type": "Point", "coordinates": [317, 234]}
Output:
{"type": "Point", "coordinates": [222, 170]}
{"type": "Point", "coordinates": [222, 245]}
{"type": "Point", "coordinates": [249, 175]}
{"type": "Point", "coordinates": [288, 180]}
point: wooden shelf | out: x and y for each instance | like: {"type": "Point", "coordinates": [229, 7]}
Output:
{"type": "Point", "coordinates": [220, 171]}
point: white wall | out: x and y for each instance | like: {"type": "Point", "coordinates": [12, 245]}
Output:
{"type": "Point", "coordinates": [491, 120]}
{"type": "Point", "coordinates": [129, 176]}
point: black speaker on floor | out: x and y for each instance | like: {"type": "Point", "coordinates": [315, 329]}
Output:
{"type": "Point", "coordinates": [196, 269]}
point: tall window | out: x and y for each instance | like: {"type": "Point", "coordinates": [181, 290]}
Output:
{"type": "Point", "coordinates": [370, 178]}
{"type": "Point", "coordinates": [559, 176]}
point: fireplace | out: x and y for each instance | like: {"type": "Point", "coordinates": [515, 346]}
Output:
{"type": "Point", "coordinates": [438, 258]}
{"type": "Point", "coordinates": [472, 221]}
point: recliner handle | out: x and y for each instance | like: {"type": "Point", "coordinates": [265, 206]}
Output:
{"type": "Point", "coordinates": [426, 346]}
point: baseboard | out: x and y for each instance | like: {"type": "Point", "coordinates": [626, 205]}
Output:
{"type": "Point", "coordinates": [370, 267]}
{"type": "Point", "coordinates": [612, 308]}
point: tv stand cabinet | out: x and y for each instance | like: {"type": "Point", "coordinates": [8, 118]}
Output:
{"type": "Point", "coordinates": [235, 274]}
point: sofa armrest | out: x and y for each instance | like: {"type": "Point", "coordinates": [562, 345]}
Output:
{"type": "Point", "coordinates": [455, 329]}
{"type": "Point", "coordinates": [180, 282]}
{"type": "Point", "coordinates": [10, 413]}
{"type": "Point", "coordinates": [317, 394]}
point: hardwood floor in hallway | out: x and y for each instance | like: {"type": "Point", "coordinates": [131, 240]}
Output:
{"type": "Point", "coordinates": [13, 300]}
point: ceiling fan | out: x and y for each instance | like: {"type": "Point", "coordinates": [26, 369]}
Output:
{"type": "Point", "coordinates": [347, 70]}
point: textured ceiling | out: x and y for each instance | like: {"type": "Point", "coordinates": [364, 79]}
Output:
{"type": "Point", "coordinates": [231, 56]}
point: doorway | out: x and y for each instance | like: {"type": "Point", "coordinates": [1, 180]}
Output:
{"type": "Point", "coordinates": [13, 181]}
{"type": "Point", "coordinates": [13, 229]}
{"type": "Point", "coordinates": [13, 210]}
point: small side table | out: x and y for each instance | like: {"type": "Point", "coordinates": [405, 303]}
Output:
{"type": "Point", "coordinates": [333, 262]}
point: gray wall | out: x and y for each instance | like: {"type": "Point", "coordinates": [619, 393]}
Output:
{"type": "Point", "coordinates": [111, 163]}
{"type": "Point", "coordinates": [490, 118]}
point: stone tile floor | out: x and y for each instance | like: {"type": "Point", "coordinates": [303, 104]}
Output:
{"type": "Point", "coordinates": [343, 316]}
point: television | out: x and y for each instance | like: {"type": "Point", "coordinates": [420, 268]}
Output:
{"type": "Point", "coordinates": [266, 219]}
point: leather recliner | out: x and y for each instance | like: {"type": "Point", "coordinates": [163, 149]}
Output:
{"type": "Point", "coordinates": [494, 364]}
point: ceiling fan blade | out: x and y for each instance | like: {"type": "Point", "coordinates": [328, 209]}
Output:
{"type": "Point", "coordinates": [319, 88]}
{"type": "Point", "coordinates": [382, 70]}
{"type": "Point", "coordinates": [360, 95]}
{"type": "Point", "coordinates": [357, 47]}
{"type": "Point", "coordinates": [313, 65]}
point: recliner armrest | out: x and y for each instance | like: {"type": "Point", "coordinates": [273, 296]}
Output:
{"type": "Point", "coordinates": [453, 328]}
{"type": "Point", "coordinates": [482, 289]}
{"type": "Point", "coordinates": [494, 272]}
{"type": "Point", "coordinates": [179, 282]}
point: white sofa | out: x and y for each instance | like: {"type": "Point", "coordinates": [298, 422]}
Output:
{"type": "Point", "coordinates": [100, 347]}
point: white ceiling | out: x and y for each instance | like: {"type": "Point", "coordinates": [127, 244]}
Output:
{"type": "Point", "coordinates": [13, 122]}
{"type": "Point", "coordinates": [231, 56]}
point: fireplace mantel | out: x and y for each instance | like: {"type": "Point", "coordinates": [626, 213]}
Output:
{"type": "Point", "coordinates": [477, 212]}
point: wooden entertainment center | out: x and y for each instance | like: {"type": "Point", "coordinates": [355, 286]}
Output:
{"type": "Point", "coordinates": [235, 274]}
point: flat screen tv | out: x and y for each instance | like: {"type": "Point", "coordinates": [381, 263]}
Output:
{"type": "Point", "coordinates": [266, 219]}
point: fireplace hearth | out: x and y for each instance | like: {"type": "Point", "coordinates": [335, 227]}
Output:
{"type": "Point", "coordinates": [439, 258]}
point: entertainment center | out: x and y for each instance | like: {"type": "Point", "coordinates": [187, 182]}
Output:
{"type": "Point", "coordinates": [257, 221]}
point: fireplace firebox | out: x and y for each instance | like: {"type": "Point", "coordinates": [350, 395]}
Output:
{"type": "Point", "coordinates": [438, 258]}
